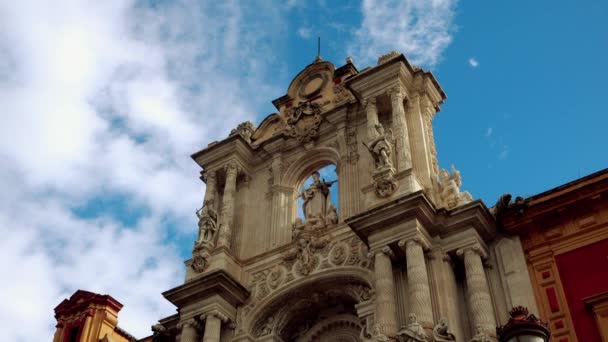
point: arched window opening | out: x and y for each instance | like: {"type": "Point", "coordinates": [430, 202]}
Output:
{"type": "Point", "coordinates": [318, 196]}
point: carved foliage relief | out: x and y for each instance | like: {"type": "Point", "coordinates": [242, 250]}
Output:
{"type": "Point", "coordinates": [321, 255]}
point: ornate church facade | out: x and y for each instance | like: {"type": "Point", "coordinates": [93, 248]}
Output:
{"type": "Point", "coordinates": [402, 254]}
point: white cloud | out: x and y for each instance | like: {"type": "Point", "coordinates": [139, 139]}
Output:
{"type": "Point", "coordinates": [110, 99]}
{"type": "Point", "coordinates": [473, 62]}
{"type": "Point", "coordinates": [304, 32]}
{"type": "Point", "coordinates": [421, 29]}
{"type": "Point", "coordinates": [489, 131]}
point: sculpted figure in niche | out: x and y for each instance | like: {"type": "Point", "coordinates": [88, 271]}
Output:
{"type": "Point", "coordinates": [207, 223]}
{"type": "Point", "coordinates": [380, 148]}
{"type": "Point", "coordinates": [317, 199]}
{"type": "Point", "coordinates": [440, 332]}
{"type": "Point", "coordinates": [413, 332]}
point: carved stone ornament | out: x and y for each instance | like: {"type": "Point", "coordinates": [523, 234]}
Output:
{"type": "Point", "coordinates": [413, 332]}
{"type": "Point", "coordinates": [303, 121]}
{"type": "Point", "coordinates": [385, 186]}
{"type": "Point", "coordinates": [245, 130]}
{"type": "Point", "coordinates": [200, 258]}
{"type": "Point", "coordinates": [387, 57]}
{"type": "Point", "coordinates": [440, 332]}
{"type": "Point", "coordinates": [449, 189]}
{"type": "Point", "coordinates": [480, 335]}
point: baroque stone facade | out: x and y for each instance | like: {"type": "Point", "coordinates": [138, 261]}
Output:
{"type": "Point", "coordinates": [400, 253]}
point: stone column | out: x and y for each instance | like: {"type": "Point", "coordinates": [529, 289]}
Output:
{"type": "Point", "coordinates": [227, 213]}
{"type": "Point", "coordinates": [402, 140]}
{"type": "Point", "coordinates": [189, 330]}
{"type": "Point", "coordinates": [386, 308]}
{"type": "Point", "coordinates": [421, 154]}
{"type": "Point", "coordinates": [372, 117]}
{"type": "Point", "coordinates": [211, 188]}
{"type": "Point", "coordinates": [481, 308]}
{"type": "Point", "coordinates": [419, 292]}
{"type": "Point", "coordinates": [213, 325]}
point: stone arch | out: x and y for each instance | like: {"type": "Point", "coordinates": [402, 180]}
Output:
{"type": "Point", "coordinates": [342, 327]}
{"type": "Point", "coordinates": [312, 160]}
{"type": "Point", "coordinates": [287, 307]}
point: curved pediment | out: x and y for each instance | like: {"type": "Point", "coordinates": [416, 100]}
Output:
{"type": "Point", "coordinates": [269, 127]}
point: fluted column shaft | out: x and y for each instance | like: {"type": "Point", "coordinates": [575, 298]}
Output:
{"type": "Point", "coordinates": [211, 188]}
{"type": "Point", "coordinates": [372, 117]}
{"type": "Point", "coordinates": [480, 301]}
{"type": "Point", "coordinates": [386, 309]}
{"type": "Point", "coordinates": [228, 206]}
{"type": "Point", "coordinates": [213, 328]}
{"type": "Point", "coordinates": [418, 283]}
{"type": "Point", "coordinates": [402, 140]}
{"type": "Point", "coordinates": [189, 333]}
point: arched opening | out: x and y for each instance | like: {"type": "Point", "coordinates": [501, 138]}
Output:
{"type": "Point", "coordinates": [320, 310]}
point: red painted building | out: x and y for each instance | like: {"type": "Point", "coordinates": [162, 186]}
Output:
{"type": "Point", "coordinates": [564, 233]}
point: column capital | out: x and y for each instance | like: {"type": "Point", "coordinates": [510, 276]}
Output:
{"type": "Point", "coordinates": [209, 175]}
{"type": "Point", "coordinates": [232, 168]}
{"type": "Point", "coordinates": [369, 101]}
{"type": "Point", "coordinates": [217, 314]}
{"type": "Point", "coordinates": [475, 248]}
{"type": "Point", "coordinates": [190, 322]}
{"type": "Point", "coordinates": [397, 92]}
{"type": "Point", "coordinates": [417, 239]}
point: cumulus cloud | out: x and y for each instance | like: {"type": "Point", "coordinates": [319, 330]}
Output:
{"type": "Point", "coordinates": [473, 62]}
{"type": "Point", "coordinates": [420, 29]}
{"type": "Point", "coordinates": [107, 100]}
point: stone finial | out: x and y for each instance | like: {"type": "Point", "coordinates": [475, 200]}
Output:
{"type": "Point", "coordinates": [387, 57]}
{"type": "Point", "coordinates": [349, 59]}
{"type": "Point", "coordinates": [245, 130]}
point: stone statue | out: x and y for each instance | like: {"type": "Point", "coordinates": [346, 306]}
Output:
{"type": "Point", "coordinates": [449, 189]}
{"type": "Point", "coordinates": [245, 130]}
{"type": "Point", "coordinates": [380, 148]}
{"type": "Point", "coordinates": [207, 223]}
{"type": "Point", "coordinates": [268, 327]}
{"type": "Point", "coordinates": [375, 336]}
{"type": "Point", "coordinates": [413, 332]}
{"type": "Point", "coordinates": [317, 198]}
{"type": "Point", "coordinates": [480, 335]}
{"type": "Point", "coordinates": [440, 332]}
{"type": "Point", "coordinates": [332, 214]}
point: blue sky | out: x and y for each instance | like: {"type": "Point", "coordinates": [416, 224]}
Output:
{"type": "Point", "coordinates": [104, 102]}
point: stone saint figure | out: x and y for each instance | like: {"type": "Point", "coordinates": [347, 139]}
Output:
{"type": "Point", "coordinates": [413, 332]}
{"type": "Point", "coordinates": [317, 198]}
{"type": "Point", "coordinates": [440, 332]}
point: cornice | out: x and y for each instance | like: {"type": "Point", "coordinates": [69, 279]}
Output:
{"type": "Point", "coordinates": [216, 282]}
{"type": "Point", "coordinates": [437, 222]}
{"type": "Point", "coordinates": [217, 154]}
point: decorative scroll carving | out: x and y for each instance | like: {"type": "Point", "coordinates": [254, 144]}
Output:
{"type": "Point", "coordinates": [449, 189]}
{"type": "Point", "coordinates": [440, 332]}
{"type": "Point", "coordinates": [245, 130]}
{"type": "Point", "coordinates": [303, 121]}
{"type": "Point", "coordinates": [413, 332]}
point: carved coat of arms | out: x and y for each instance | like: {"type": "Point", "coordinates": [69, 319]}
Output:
{"type": "Point", "coordinates": [303, 121]}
